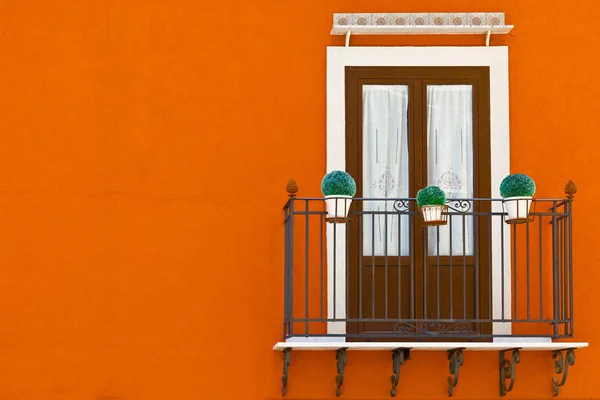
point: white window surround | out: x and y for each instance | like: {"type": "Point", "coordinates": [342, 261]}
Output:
{"type": "Point", "coordinates": [496, 58]}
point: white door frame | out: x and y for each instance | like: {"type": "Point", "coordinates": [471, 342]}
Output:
{"type": "Point", "coordinates": [496, 58]}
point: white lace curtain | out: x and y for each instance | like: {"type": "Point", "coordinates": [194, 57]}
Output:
{"type": "Point", "coordinates": [385, 167]}
{"type": "Point", "coordinates": [450, 160]}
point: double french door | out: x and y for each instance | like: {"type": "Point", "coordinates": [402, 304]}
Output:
{"type": "Point", "coordinates": [407, 128]}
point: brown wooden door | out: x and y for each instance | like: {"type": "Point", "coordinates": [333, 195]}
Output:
{"type": "Point", "coordinates": [403, 287]}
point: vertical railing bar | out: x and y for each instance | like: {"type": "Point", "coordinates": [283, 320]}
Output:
{"type": "Point", "coordinates": [464, 267]}
{"type": "Point", "coordinates": [554, 269]}
{"type": "Point", "coordinates": [425, 272]}
{"type": "Point", "coordinates": [565, 263]}
{"type": "Point", "coordinates": [306, 263]}
{"type": "Point", "coordinates": [385, 247]}
{"type": "Point", "coordinates": [321, 217]}
{"type": "Point", "coordinates": [291, 276]}
{"type": "Point", "coordinates": [286, 286]}
{"type": "Point", "coordinates": [451, 266]}
{"type": "Point", "coordinates": [559, 268]}
{"type": "Point", "coordinates": [437, 236]}
{"type": "Point", "coordinates": [528, 272]}
{"type": "Point", "coordinates": [502, 264]}
{"type": "Point", "coordinates": [571, 265]}
{"type": "Point", "coordinates": [346, 296]}
{"type": "Point", "coordinates": [335, 264]}
{"type": "Point", "coordinates": [541, 269]}
{"type": "Point", "coordinates": [361, 243]}
{"type": "Point", "coordinates": [489, 264]}
{"type": "Point", "coordinates": [373, 266]}
{"type": "Point", "coordinates": [411, 269]}
{"type": "Point", "coordinates": [399, 266]}
{"type": "Point", "coordinates": [514, 270]}
{"type": "Point", "coordinates": [476, 249]}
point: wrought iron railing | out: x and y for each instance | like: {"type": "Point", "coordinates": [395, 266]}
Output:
{"type": "Point", "coordinates": [382, 275]}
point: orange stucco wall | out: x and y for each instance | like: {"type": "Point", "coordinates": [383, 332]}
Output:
{"type": "Point", "coordinates": [144, 150]}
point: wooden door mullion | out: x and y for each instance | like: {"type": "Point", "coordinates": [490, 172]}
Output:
{"type": "Point", "coordinates": [417, 155]}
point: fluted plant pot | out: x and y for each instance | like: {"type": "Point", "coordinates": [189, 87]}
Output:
{"type": "Point", "coordinates": [435, 215]}
{"type": "Point", "coordinates": [517, 208]}
{"type": "Point", "coordinates": [338, 188]}
{"type": "Point", "coordinates": [337, 206]}
{"type": "Point", "coordinates": [432, 202]}
{"type": "Point", "coordinates": [517, 191]}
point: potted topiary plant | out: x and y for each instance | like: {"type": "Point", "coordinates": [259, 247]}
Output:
{"type": "Point", "coordinates": [517, 191]}
{"type": "Point", "coordinates": [338, 187]}
{"type": "Point", "coordinates": [432, 201]}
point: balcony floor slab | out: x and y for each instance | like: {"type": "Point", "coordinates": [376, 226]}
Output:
{"type": "Point", "coordinates": [524, 345]}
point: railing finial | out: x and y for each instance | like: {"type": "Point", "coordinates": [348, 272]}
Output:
{"type": "Point", "coordinates": [292, 188]}
{"type": "Point", "coordinates": [570, 189]}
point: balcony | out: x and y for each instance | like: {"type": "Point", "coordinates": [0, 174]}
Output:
{"type": "Point", "coordinates": [380, 280]}
{"type": "Point", "coordinates": [383, 276]}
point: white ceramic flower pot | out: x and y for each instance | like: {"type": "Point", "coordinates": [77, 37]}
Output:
{"type": "Point", "coordinates": [517, 208]}
{"type": "Point", "coordinates": [434, 215]}
{"type": "Point", "coordinates": [337, 206]}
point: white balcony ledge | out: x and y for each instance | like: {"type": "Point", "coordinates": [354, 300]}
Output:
{"type": "Point", "coordinates": [523, 345]}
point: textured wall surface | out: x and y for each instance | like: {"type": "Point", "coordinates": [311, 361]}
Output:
{"type": "Point", "coordinates": [144, 150]}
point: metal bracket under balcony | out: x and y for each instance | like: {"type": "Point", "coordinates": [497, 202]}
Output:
{"type": "Point", "coordinates": [509, 355]}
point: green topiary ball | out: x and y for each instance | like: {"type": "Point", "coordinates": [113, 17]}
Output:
{"type": "Point", "coordinates": [517, 185]}
{"type": "Point", "coordinates": [431, 195]}
{"type": "Point", "coordinates": [338, 183]}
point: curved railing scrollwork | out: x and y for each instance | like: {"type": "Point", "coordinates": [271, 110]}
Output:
{"type": "Point", "coordinates": [456, 205]}
{"type": "Point", "coordinates": [460, 205]}
{"type": "Point", "coordinates": [433, 328]}
{"type": "Point", "coordinates": [401, 205]}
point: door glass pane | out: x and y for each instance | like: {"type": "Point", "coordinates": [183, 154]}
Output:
{"type": "Point", "coordinates": [450, 161]}
{"type": "Point", "coordinates": [385, 168]}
